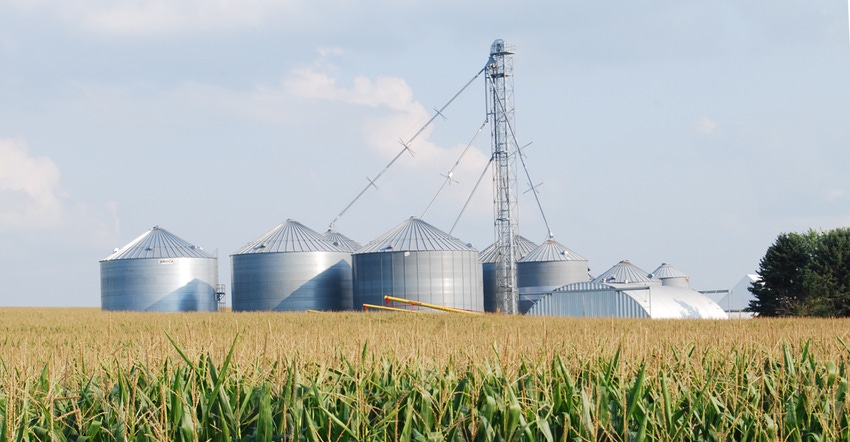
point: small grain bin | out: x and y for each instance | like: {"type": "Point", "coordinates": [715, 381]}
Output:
{"type": "Point", "coordinates": [291, 268]}
{"type": "Point", "coordinates": [159, 272]}
{"type": "Point", "coordinates": [418, 262]}
{"type": "Point", "coordinates": [489, 257]}
{"type": "Point", "coordinates": [669, 275]}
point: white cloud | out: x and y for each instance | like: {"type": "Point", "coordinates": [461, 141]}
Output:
{"type": "Point", "coordinates": [29, 195]}
{"type": "Point", "coordinates": [706, 126]}
{"type": "Point", "coordinates": [156, 16]}
{"type": "Point", "coordinates": [835, 195]}
{"type": "Point", "coordinates": [385, 131]}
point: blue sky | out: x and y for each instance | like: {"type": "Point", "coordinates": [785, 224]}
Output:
{"type": "Point", "coordinates": [684, 132]}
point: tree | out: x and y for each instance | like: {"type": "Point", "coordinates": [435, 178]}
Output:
{"type": "Point", "coordinates": [804, 275]}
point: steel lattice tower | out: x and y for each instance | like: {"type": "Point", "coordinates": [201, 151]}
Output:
{"type": "Point", "coordinates": [500, 112]}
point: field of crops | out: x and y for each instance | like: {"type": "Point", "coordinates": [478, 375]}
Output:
{"type": "Point", "coordinates": [87, 375]}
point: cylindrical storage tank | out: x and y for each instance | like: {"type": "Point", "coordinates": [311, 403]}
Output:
{"type": "Point", "coordinates": [418, 262]}
{"type": "Point", "coordinates": [341, 241]}
{"type": "Point", "coordinates": [291, 268]}
{"type": "Point", "coordinates": [549, 266]}
{"type": "Point", "coordinates": [489, 257]}
{"type": "Point", "coordinates": [670, 276]}
{"type": "Point", "coordinates": [159, 272]}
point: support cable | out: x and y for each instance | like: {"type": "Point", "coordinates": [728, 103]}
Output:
{"type": "Point", "coordinates": [450, 174]}
{"type": "Point", "coordinates": [406, 147]}
{"type": "Point", "coordinates": [527, 174]}
{"type": "Point", "coordinates": [471, 194]}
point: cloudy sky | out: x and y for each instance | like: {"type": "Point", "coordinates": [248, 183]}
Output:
{"type": "Point", "coordinates": [684, 132]}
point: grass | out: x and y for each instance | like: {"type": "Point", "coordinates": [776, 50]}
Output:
{"type": "Point", "coordinates": [83, 374]}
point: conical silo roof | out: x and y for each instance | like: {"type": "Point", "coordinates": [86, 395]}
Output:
{"type": "Point", "coordinates": [414, 235]}
{"type": "Point", "coordinates": [623, 272]}
{"type": "Point", "coordinates": [158, 243]}
{"type": "Point", "coordinates": [289, 236]}
{"type": "Point", "coordinates": [522, 245]}
{"type": "Point", "coordinates": [665, 271]}
{"type": "Point", "coordinates": [550, 251]}
{"type": "Point", "coordinates": [341, 241]}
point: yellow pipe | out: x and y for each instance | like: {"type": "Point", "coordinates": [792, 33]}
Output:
{"type": "Point", "coordinates": [388, 298]}
{"type": "Point", "coordinates": [381, 307]}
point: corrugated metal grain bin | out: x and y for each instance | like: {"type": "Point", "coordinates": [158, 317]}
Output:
{"type": "Point", "coordinates": [489, 257]}
{"type": "Point", "coordinates": [547, 267]}
{"type": "Point", "coordinates": [669, 275]}
{"type": "Point", "coordinates": [291, 268]}
{"type": "Point", "coordinates": [159, 272]}
{"type": "Point", "coordinates": [418, 262]}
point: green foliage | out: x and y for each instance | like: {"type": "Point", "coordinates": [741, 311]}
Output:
{"type": "Point", "coordinates": [805, 275]}
{"type": "Point", "coordinates": [740, 395]}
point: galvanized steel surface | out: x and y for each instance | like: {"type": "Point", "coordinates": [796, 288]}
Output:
{"type": "Point", "coordinates": [588, 300]}
{"type": "Point", "coordinates": [651, 300]}
{"type": "Point", "coordinates": [289, 236]}
{"type": "Point", "coordinates": [450, 278]}
{"type": "Point", "coordinates": [158, 243]}
{"type": "Point", "coordinates": [488, 258]}
{"type": "Point", "coordinates": [291, 281]}
{"type": "Point", "coordinates": [343, 242]}
{"type": "Point", "coordinates": [522, 246]}
{"type": "Point", "coordinates": [414, 235]}
{"type": "Point", "coordinates": [671, 276]}
{"type": "Point", "coordinates": [551, 251]}
{"type": "Point", "coordinates": [291, 268]}
{"type": "Point", "coordinates": [623, 272]}
{"type": "Point", "coordinates": [159, 284]}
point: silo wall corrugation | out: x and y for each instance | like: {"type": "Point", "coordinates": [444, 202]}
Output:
{"type": "Point", "coordinates": [159, 284]}
{"type": "Point", "coordinates": [589, 304]}
{"type": "Point", "coordinates": [446, 278]}
{"type": "Point", "coordinates": [534, 277]}
{"type": "Point", "coordinates": [291, 281]}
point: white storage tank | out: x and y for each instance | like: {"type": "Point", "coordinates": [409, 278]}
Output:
{"type": "Point", "coordinates": [159, 272]}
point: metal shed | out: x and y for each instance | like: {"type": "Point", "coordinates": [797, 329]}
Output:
{"type": "Point", "coordinates": [291, 268]}
{"type": "Point", "coordinates": [159, 272]}
{"type": "Point", "coordinates": [418, 262]}
{"type": "Point", "coordinates": [627, 292]}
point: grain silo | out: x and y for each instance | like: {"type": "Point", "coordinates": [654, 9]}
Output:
{"type": "Point", "coordinates": [159, 272]}
{"type": "Point", "coordinates": [418, 262]}
{"type": "Point", "coordinates": [489, 257]}
{"type": "Point", "coordinates": [669, 275]}
{"type": "Point", "coordinates": [341, 241]}
{"type": "Point", "coordinates": [291, 268]}
{"type": "Point", "coordinates": [549, 266]}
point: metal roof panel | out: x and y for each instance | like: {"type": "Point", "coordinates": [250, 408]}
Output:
{"type": "Point", "coordinates": [522, 245]}
{"type": "Point", "coordinates": [550, 251]}
{"type": "Point", "coordinates": [623, 272]}
{"type": "Point", "coordinates": [158, 243]}
{"type": "Point", "coordinates": [289, 236]}
{"type": "Point", "coordinates": [414, 235]}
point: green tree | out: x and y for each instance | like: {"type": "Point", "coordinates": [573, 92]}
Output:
{"type": "Point", "coordinates": [804, 274]}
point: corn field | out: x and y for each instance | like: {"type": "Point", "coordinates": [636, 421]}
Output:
{"type": "Point", "coordinates": [86, 375]}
